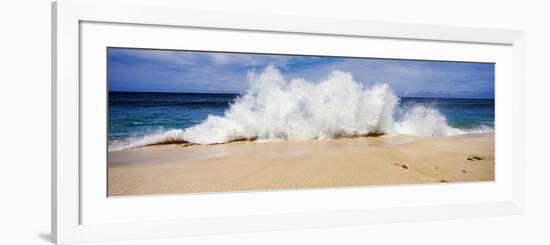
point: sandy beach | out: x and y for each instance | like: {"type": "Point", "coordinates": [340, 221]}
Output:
{"type": "Point", "coordinates": [253, 166]}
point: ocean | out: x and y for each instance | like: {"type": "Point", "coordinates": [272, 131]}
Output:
{"type": "Point", "coordinates": [142, 118]}
{"type": "Point", "coordinates": [136, 114]}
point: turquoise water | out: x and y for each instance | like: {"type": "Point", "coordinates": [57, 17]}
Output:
{"type": "Point", "coordinates": [135, 114]}
{"type": "Point", "coordinates": [460, 113]}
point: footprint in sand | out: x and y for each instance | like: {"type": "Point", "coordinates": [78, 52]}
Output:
{"type": "Point", "coordinates": [464, 171]}
{"type": "Point", "coordinates": [474, 158]}
{"type": "Point", "coordinates": [402, 165]}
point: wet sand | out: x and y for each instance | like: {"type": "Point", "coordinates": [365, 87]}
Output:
{"type": "Point", "coordinates": [253, 166]}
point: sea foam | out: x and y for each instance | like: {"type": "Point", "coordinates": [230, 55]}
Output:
{"type": "Point", "coordinates": [277, 108]}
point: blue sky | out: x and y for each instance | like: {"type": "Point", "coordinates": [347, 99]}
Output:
{"type": "Point", "coordinates": [185, 71]}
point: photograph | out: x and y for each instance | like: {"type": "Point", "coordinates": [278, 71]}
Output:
{"type": "Point", "coordinates": [210, 121]}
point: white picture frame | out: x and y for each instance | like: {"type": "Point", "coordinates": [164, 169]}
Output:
{"type": "Point", "coordinates": [69, 198]}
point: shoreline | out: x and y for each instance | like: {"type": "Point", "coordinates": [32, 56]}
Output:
{"type": "Point", "coordinates": [257, 166]}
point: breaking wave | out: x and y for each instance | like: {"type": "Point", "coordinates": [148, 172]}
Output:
{"type": "Point", "coordinates": [276, 108]}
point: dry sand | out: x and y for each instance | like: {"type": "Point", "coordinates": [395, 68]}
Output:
{"type": "Point", "coordinates": [250, 166]}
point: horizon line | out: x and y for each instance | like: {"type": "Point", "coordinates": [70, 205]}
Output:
{"type": "Point", "coordinates": [237, 93]}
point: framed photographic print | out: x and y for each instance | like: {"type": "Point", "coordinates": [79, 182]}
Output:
{"type": "Point", "coordinates": [196, 122]}
{"type": "Point", "coordinates": [204, 121]}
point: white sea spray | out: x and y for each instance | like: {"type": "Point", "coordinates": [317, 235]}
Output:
{"type": "Point", "coordinates": [276, 108]}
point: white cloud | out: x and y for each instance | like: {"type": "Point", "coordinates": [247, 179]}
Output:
{"type": "Point", "coordinates": [245, 60]}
